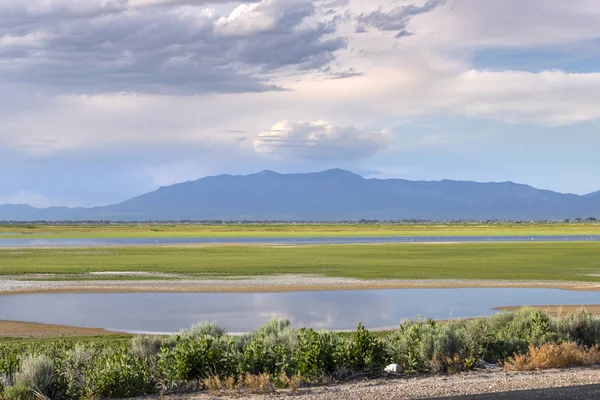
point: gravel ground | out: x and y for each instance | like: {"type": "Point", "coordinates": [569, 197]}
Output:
{"type": "Point", "coordinates": [476, 384]}
{"type": "Point", "coordinates": [16, 284]}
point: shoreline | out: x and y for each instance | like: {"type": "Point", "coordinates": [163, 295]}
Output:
{"type": "Point", "coordinates": [29, 330]}
{"type": "Point", "coordinates": [260, 284]}
{"type": "Point", "coordinates": [556, 310]}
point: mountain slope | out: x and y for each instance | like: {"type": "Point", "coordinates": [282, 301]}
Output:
{"type": "Point", "coordinates": [594, 195]}
{"type": "Point", "coordinates": [328, 195]}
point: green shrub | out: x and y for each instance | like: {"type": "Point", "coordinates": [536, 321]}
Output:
{"type": "Point", "coordinates": [18, 391]}
{"type": "Point", "coordinates": [412, 345]}
{"type": "Point", "coordinates": [202, 328]}
{"type": "Point", "coordinates": [448, 350]}
{"type": "Point", "coordinates": [579, 327]}
{"type": "Point", "coordinates": [73, 370]}
{"type": "Point", "coordinates": [146, 347]}
{"type": "Point", "coordinates": [317, 353]}
{"type": "Point", "coordinates": [275, 353]}
{"type": "Point", "coordinates": [255, 357]}
{"type": "Point", "coordinates": [200, 358]}
{"type": "Point", "coordinates": [363, 352]}
{"type": "Point", "coordinates": [275, 331]}
{"type": "Point", "coordinates": [118, 374]}
{"type": "Point", "coordinates": [515, 331]}
{"type": "Point", "coordinates": [9, 365]}
{"type": "Point", "coordinates": [37, 374]}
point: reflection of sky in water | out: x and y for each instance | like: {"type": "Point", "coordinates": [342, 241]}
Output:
{"type": "Point", "coordinates": [8, 242]}
{"type": "Point", "coordinates": [239, 312]}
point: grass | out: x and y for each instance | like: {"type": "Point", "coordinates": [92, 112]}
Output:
{"type": "Point", "coordinates": [498, 261]}
{"type": "Point", "coordinates": [289, 230]}
{"type": "Point", "coordinates": [112, 339]}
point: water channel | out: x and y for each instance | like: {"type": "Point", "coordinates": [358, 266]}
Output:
{"type": "Point", "coordinates": [242, 312]}
{"type": "Point", "coordinates": [83, 242]}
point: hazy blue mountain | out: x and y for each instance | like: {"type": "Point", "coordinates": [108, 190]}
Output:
{"type": "Point", "coordinates": [595, 194]}
{"type": "Point", "coordinates": [329, 195]}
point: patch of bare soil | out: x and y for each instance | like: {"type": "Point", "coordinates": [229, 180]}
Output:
{"type": "Point", "coordinates": [15, 329]}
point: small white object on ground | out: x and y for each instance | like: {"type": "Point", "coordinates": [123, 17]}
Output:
{"type": "Point", "coordinates": [393, 369]}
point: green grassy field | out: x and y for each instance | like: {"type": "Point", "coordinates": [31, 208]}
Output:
{"type": "Point", "coordinates": [501, 261]}
{"type": "Point", "coordinates": [289, 230]}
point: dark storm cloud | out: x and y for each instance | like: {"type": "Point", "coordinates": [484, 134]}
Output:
{"type": "Point", "coordinates": [397, 19]}
{"type": "Point", "coordinates": [160, 46]}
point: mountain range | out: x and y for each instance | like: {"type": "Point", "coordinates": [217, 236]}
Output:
{"type": "Point", "coordinates": [330, 195]}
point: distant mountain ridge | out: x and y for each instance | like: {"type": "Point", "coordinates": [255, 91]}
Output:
{"type": "Point", "coordinates": [330, 195]}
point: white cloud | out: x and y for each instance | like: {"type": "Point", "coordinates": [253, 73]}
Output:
{"type": "Point", "coordinates": [26, 197]}
{"type": "Point", "coordinates": [256, 18]}
{"type": "Point", "coordinates": [320, 140]}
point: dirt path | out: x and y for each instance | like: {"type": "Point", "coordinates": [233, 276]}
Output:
{"type": "Point", "coordinates": [504, 385]}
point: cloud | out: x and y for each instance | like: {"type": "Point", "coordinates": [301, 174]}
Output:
{"type": "Point", "coordinates": [26, 197]}
{"type": "Point", "coordinates": [132, 46]}
{"type": "Point", "coordinates": [28, 11]}
{"type": "Point", "coordinates": [320, 141]}
{"type": "Point", "coordinates": [397, 19]}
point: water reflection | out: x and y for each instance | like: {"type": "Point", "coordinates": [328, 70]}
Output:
{"type": "Point", "coordinates": [240, 312]}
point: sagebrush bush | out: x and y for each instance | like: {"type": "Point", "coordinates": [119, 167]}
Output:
{"type": "Point", "coordinates": [273, 327]}
{"type": "Point", "coordinates": [580, 327]}
{"type": "Point", "coordinates": [412, 345]}
{"type": "Point", "coordinates": [202, 328]}
{"type": "Point", "coordinates": [515, 331]}
{"type": "Point", "coordinates": [37, 374]}
{"type": "Point", "coordinates": [146, 347]}
{"type": "Point", "coordinates": [73, 370]}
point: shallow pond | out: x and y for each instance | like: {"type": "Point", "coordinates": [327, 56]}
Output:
{"type": "Point", "coordinates": [241, 312]}
{"type": "Point", "coordinates": [82, 242]}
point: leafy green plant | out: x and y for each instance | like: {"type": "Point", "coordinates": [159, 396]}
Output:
{"type": "Point", "coordinates": [118, 374]}
{"type": "Point", "coordinates": [18, 391]}
{"type": "Point", "coordinates": [317, 353]}
{"type": "Point", "coordinates": [363, 351]}
{"type": "Point", "coordinates": [201, 358]}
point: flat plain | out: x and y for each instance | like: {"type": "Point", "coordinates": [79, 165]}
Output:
{"type": "Point", "coordinates": [116, 231]}
{"type": "Point", "coordinates": [560, 261]}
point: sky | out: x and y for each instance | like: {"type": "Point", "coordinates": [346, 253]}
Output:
{"type": "Point", "coordinates": [103, 100]}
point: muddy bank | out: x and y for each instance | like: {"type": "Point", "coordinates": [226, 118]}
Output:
{"type": "Point", "coordinates": [15, 329]}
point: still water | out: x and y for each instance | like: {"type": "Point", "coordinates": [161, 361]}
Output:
{"type": "Point", "coordinates": [81, 242]}
{"type": "Point", "coordinates": [242, 312]}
